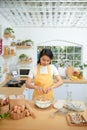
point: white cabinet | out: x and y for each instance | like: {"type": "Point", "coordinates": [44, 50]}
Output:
{"type": "Point", "coordinates": [79, 92]}
{"type": "Point", "coordinates": [28, 93]}
{"type": "Point", "coordinates": [60, 93]}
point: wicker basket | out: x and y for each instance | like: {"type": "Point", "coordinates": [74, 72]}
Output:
{"type": "Point", "coordinates": [17, 116]}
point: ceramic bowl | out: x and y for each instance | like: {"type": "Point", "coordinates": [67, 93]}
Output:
{"type": "Point", "coordinates": [42, 104]}
{"type": "Point", "coordinates": [42, 101]}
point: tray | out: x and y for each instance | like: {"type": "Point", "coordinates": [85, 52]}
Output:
{"type": "Point", "coordinates": [70, 123]}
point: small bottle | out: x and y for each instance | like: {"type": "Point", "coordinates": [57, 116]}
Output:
{"type": "Point", "coordinates": [69, 96]}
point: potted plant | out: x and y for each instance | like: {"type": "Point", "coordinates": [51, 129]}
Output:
{"type": "Point", "coordinates": [9, 32]}
{"type": "Point", "coordinates": [28, 42]}
{"type": "Point", "coordinates": [22, 57]}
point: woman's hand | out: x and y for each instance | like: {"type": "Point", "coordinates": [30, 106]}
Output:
{"type": "Point", "coordinates": [43, 91]}
{"type": "Point", "coordinates": [40, 89]}
{"type": "Point", "coordinates": [47, 90]}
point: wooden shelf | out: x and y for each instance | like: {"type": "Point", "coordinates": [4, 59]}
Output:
{"type": "Point", "coordinates": [25, 62]}
{"type": "Point", "coordinates": [23, 47]}
{"type": "Point", "coordinates": [9, 55]}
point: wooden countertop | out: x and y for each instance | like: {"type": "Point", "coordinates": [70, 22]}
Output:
{"type": "Point", "coordinates": [43, 121]}
{"type": "Point", "coordinates": [78, 81]}
{"type": "Point", "coordinates": [11, 90]}
{"type": "Point", "coordinates": [16, 90]}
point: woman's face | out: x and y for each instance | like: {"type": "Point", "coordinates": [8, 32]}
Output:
{"type": "Point", "coordinates": [45, 60]}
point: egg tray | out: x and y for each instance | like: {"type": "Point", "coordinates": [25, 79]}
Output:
{"type": "Point", "coordinates": [81, 124]}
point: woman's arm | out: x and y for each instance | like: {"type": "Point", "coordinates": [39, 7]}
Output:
{"type": "Point", "coordinates": [32, 86]}
{"type": "Point", "coordinates": [29, 83]}
{"type": "Point", "coordinates": [58, 81]}
{"type": "Point", "coordinates": [57, 84]}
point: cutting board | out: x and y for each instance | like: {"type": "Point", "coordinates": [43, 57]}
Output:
{"type": "Point", "coordinates": [69, 121]}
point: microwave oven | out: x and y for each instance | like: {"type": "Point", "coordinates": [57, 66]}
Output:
{"type": "Point", "coordinates": [23, 72]}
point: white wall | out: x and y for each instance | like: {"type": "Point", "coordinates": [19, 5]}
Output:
{"type": "Point", "coordinates": [41, 35]}
{"type": "Point", "coordinates": [3, 22]}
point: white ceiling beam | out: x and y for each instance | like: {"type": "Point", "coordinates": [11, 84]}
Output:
{"type": "Point", "coordinates": [50, 19]}
{"type": "Point", "coordinates": [55, 15]}
{"type": "Point", "coordinates": [27, 16]}
{"type": "Point", "coordinates": [36, 1]}
{"type": "Point", "coordinates": [47, 7]}
{"type": "Point", "coordinates": [44, 16]}
{"type": "Point", "coordinates": [39, 17]}
{"type": "Point", "coordinates": [8, 16]}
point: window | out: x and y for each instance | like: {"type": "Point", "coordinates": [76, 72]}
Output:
{"type": "Point", "coordinates": [64, 55]}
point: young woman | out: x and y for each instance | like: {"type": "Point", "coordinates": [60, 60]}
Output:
{"type": "Point", "coordinates": [44, 74]}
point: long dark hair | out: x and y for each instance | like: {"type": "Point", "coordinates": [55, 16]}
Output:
{"type": "Point", "coordinates": [46, 52]}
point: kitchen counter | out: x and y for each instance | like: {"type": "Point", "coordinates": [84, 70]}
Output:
{"type": "Point", "coordinates": [11, 90]}
{"type": "Point", "coordinates": [78, 81]}
{"type": "Point", "coordinates": [43, 121]}
{"type": "Point", "coordinates": [19, 90]}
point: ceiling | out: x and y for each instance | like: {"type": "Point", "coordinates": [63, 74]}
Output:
{"type": "Point", "coordinates": [45, 13]}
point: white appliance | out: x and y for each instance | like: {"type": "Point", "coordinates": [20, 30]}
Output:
{"type": "Point", "coordinates": [23, 71]}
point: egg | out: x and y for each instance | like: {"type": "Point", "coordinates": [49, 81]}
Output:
{"type": "Point", "coordinates": [15, 107]}
{"type": "Point", "coordinates": [18, 111]}
{"type": "Point", "coordinates": [22, 108]}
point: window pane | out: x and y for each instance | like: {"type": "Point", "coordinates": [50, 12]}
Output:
{"type": "Point", "coordinates": [70, 49]}
{"type": "Point", "coordinates": [55, 56]}
{"type": "Point", "coordinates": [55, 62]}
{"type": "Point", "coordinates": [39, 48]}
{"type": "Point", "coordinates": [77, 56]}
{"type": "Point", "coordinates": [78, 49]}
{"type": "Point", "coordinates": [76, 63]}
{"type": "Point", "coordinates": [63, 55]}
{"type": "Point", "coordinates": [63, 49]}
{"type": "Point", "coordinates": [54, 49]}
{"type": "Point", "coordinates": [70, 56]}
